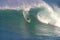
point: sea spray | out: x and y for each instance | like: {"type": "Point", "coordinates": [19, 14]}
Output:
{"type": "Point", "coordinates": [26, 5]}
{"type": "Point", "coordinates": [53, 20]}
{"type": "Point", "coordinates": [53, 15]}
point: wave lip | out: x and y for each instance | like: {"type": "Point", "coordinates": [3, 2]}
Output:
{"type": "Point", "coordinates": [20, 4]}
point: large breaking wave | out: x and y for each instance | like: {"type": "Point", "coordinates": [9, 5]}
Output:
{"type": "Point", "coordinates": [26, 5]}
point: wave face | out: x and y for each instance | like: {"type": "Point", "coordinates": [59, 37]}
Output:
{"type": "Point", "coordinates": [34, 17]}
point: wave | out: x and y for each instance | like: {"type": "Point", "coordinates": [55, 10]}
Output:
{"type": "Point", "coordinates": [26, 5]}
{"type": "Point", "coordinates": [19, 4]}
{"type": "Point", "coordinates": [54, 16]}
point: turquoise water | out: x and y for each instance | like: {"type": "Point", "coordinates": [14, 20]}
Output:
{"type": "Point", "coordinates": [13, 21]}
{"type": "Point", "coordinates": [13, 25]}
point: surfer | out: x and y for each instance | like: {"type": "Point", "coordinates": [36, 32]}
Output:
{"type": "Point", "coordinates": [26, 10]}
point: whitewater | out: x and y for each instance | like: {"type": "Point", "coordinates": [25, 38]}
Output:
{"type": "Point", "coordinates": [51, 18]}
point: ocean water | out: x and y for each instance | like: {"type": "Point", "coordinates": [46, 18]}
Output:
{"type": "Point", "coordinates": [13, 26]}
{"type": "Point", "coordinates": [34, 22]}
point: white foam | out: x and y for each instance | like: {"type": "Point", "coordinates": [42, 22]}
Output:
{"type": "Point", "coordinates": [25, 5]}
{"type": "Point", "coordinates": [53, 15]}
{"type": "Point", "coordinates": [43, 19]}
{"type": "Point", "coordinates": [26, 16]}
{"type": "Point", "coordinates": [54, 20]}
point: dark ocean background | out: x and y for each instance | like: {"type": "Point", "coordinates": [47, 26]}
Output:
{"type": "Point", "coordinates": [13, 26]}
